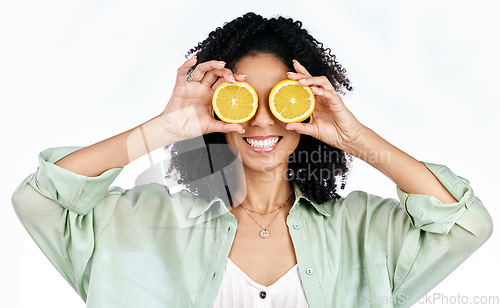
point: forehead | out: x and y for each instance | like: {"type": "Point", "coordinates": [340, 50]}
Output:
{"type": "Point", "coordinates": [261, 68]}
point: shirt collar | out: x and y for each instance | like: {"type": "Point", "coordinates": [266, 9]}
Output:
{"type": "Point", "coordinates": [200, 206]}
{"type": "Point", "coordinates": [300, 195]}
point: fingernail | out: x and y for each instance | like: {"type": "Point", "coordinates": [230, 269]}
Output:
{"type": "Point", "coordinates": [242, 75]}
{"type": "Point", "coordinates": [316, 90]}
{"type": "Point", "coordinates": [222, 62]}
{"type": "Point", "coordinates": [231, 79]}
{"type": "Point", "coordinates": [290, 73]}
{"type": "Point", "coordinates": [295, 61]}
{"type": "Point", "coordinates": [302, 80]}
{"type": "Point", "coordinates": [242, 131]}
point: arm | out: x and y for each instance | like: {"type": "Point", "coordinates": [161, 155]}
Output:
{"type": "Point", "coordinates": [63, 212]}
{"type": "Point", "coordinates": [438, 222]}
{"type": "Point", "coordinates": [408, 173]}
{"type": "Point", "coordinates": [335, 125]}
{"type": "Point", "coordinates": [410, 245]}
{"type": "Point", "coordinates": [187, 115]}
{"type": "Point", "coordinates": [119, 150]}
{"type": "Point", "coordinates": [427, 240]}
{"type": "Point", "coordinates": [66, 203]}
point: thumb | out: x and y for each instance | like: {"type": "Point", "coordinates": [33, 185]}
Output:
{"type": "Point", "coordinates": [223, 127]}
{"type": "Point", "coordinates": [302, 128]}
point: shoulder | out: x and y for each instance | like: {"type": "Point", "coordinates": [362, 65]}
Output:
{"type": "Point", "coordinates": [144, 200]}
{"type": "Point", "coordinates": [359, 204]}
{"type": "Point", "coordinates": [163, 207]}
{"type": "Point", "coordinates": [152, 194]}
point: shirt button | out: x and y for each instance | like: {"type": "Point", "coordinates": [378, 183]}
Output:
{"type": "Point", "coordinates": [296, 226]}
{"type": "Point", "coordinates": [309, 271]}
{"type": "Point", "coordinates": [262, 294]}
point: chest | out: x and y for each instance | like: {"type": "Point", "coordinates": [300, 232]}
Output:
{"type": "Point", "coordinates": [263, 260]}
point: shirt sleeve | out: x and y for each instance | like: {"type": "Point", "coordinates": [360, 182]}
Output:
{"type": "Point", "coordinates": [58, 209]}
{"type": "Point", "coordinates": [427, 239]}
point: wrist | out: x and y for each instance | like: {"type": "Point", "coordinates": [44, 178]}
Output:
{"type": "Point", "coordinates": [164, 125]}
{"type": "Point", "coordinates": [360, 146]}
{"type": "Point", "coordinates": [374, 150]}
{"type": "Point", "coordinates": [371, 148]}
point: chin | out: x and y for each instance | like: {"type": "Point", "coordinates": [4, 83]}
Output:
{"type": "Point", "coordinates": [264, 152]}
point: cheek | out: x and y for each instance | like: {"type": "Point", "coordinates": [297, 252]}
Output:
{"type": "Point", "coordinates": [231, 138]}
{"type": "Point", "coordinates": [292, 141]}
{"type": "Point", "coordinates": [294, 138]}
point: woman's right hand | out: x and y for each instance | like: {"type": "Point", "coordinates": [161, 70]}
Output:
{"type": "Point", "coordinates": [189, 112]}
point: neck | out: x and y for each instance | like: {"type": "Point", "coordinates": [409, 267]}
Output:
{"type": "Point", "coordinates": [265, 191]}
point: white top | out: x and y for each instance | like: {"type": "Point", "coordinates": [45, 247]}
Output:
{"type": "Point", "coordinates": [238, 290]}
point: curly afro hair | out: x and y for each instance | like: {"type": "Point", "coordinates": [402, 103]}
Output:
{"type": "Point", "coordinates": [314, 165]}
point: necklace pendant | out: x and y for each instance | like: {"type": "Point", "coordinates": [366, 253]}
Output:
{"type": "Point", "coordinates": [264, 233]}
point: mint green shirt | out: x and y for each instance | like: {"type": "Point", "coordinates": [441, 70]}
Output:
{"type": "Point", "coordinates": [147, 247]}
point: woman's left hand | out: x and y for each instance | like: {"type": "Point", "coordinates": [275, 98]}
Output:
{"type": "Point", "coordinates": [331, 121]}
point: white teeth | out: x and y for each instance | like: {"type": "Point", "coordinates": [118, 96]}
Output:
{"type": "Point", "coordinates": [269, 142]}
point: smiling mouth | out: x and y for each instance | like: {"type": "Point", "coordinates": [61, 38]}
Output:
{"type": "Point", "coordinates": [262, 142]}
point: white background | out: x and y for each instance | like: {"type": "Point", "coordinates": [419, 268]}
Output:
{"type": "Point", "coordinates": [73, 73]}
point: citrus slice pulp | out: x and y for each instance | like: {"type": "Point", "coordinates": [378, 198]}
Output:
{"type": "Point", "coordinates": [290, 102]}
{"type": "Point", "coordinates": [235, 102]}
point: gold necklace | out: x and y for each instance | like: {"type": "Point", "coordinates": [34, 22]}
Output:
{"type": "Point", "coordinates": [264, 233]}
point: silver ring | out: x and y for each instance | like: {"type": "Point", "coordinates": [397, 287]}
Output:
{"type": "Point", "coordinates": [191, 78]}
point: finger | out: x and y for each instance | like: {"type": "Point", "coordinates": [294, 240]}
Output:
{"type": "Point", "coordinates": [240, 77]}
{"type": "Point", "coordinates": [223, 127]}
{"type": "Point", "coordinates": [184, 69]}
{"type": "Point", "coordinates": [330, 98]}
{"type": "Point", "coordinates": [303, 128]}
{"type": "Point", "coordinates": [217, 83]}
{"type": "Point", "coordinates": [296, 76]}
{"type": "Point", "coordinates": [321, 82]}
{"type": "Point", "coordinates": [329, 95]}
{"type": "Point", "coordinates": [299, 68]}
{"type": "Point", "coordinates": [212, 75]}
{"type": "Point", "coordinates": [221, 80]}
{"type": "Point", "coordinates": [202, 68]}
{"type": "Point", "coordinates": [320, 92]}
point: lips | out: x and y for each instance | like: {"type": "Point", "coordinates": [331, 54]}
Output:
{"type": "Point", "coordinates": [265, 143]}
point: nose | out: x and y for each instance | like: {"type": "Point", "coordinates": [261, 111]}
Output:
{"type": "Point", "coordinates": [263, 117]}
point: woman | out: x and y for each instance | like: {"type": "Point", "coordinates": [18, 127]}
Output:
{"type": "Point", "coordinates": [293, 242]}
